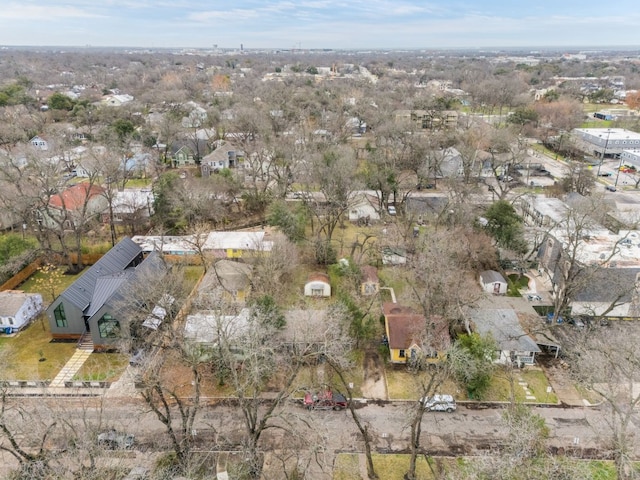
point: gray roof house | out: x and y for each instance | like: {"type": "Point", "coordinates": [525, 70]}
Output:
{"type": "Point", "coordinates": [514, 345]}
{"type": "Point", "coordinates": [93, 304]}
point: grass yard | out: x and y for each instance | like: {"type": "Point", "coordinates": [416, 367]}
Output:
{"type": "Point", "coordinates": [315, 376]}
{"type": "Point", "coordinates": [350, 466]}
{"type": "Point", "coordinates": [27, 347]}
{"type": "Point", "coordinates": [102, 367]}
{"type": "Point", "coordinates": [401, 385]}
{"type": "Point", "coordinates": [47, 283]}
{"type": "Point", "coordinates": [537, 383]}
{"type": "Point", "coordinates": [517, 282]}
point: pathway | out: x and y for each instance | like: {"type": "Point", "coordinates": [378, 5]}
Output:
{"type": "Point", "coordinates": [71, 368]}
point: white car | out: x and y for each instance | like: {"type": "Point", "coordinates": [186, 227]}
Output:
{"type": "Point", "coordinates": [533, 297]}
{"type": "Point", "coordinates": [440, 403]}
{"type": "Point", "coordinates": [391, 209]}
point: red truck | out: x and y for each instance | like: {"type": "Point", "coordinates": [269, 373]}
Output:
{"type": "Point", "coordinates": [324, 400]}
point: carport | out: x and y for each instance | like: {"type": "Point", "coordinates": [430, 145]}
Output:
{"type": "Point", "coordinates": [547, 343]}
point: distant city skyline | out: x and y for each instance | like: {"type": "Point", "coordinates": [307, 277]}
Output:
{"type": "Point", "coordinates": [314, 24]}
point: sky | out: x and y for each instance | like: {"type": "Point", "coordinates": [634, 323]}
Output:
{"type": "Point", "coordinates": [310, 24]}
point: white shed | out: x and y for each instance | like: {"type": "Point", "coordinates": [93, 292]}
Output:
{"type": "Point", "coordinates": [17, 309]}
{"type": "Point", "coordinates": [317, 285]}
{"type": "Point", "coordinates": [493, 282]}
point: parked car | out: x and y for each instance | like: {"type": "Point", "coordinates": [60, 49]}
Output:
{"type": "Point", "coordinates": [576, 322]}
{"type": "Point", "coordinates": [324, 400]}
{"type": "Point", "coordinates": [611, 188]}
{"type": "Point", "coordinates": [115, 440]}
{"type": "Point", "coordinates": [550, 316]}
{"type": "Point", "coordinates": [137, 358]}
{"type": "Point", "coordinates": [534, 297]}
{"type": "Point", "coordinates": [439, 403]}
{"type": "Point", "coordinates": [391, 209]}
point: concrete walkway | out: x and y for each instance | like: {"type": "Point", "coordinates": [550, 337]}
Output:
{"type": "Point", "coordinates": [71, 368]}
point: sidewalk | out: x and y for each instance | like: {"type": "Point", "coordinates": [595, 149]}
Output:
{"type": "Point", "coordinates": [67, 372]}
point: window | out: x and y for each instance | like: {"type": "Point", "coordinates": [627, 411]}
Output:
{"type": "Point", "coordinates": [402, 353]}
{"type": "Point", "coordinates": [60, 316]}
{"type": "Point", "coordinates": [108, 326]}
{"type": "Point", "coordinates": [10, 320]}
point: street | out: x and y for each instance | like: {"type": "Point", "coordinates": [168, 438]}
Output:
{"type": "Point", "coordinates": [219, 427]}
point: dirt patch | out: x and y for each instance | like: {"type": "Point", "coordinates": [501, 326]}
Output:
{"type": "Point", "coordinates": [374, 385]}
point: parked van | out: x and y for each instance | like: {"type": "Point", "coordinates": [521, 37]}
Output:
{"type": "Point", "coordinates": [440, 403]}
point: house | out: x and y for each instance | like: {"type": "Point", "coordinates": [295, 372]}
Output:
{"type": "Point", "coordinates": [95, 303]}
{"type": "Point", "coordinates": [117, 100]}
{"type": "Point", "coordinates": [411, 337]}
{"type": "Point", "coordinates": [493, 282]}
{"type": "Point", "coordinates": [363, 206]}
{"type": "Point", "coordinates": [428, 119]}
{"type": "Point", "coordinates": [394, 256]}
{"type": "Point", "coordinates": [225, 156]}
{"type": "Point", "coordinates": [236, 244]}
{"type": "Point", "coordinates": [39, 143]}
{"type": "Point", "coordinates": [208, 327]}
{"type": "Point", "coordinates": [227, 280]}
{"type": "Point", "coordinates": [370, 284]}
{"type": "Point", "coordinates": [17, 309]}
{"type": "Point", "coordinates": [607, 292]}
{"type": "Point", "coordinates": [317, 285]}
{"type": "Point", "coordinates": [183, 156]}
{"type": "Point", "coordinates": [131, 205]}
{"type": "Point", "coordinates": [74, 206]}
{"type": "Point", "coordinates": [514, 345]}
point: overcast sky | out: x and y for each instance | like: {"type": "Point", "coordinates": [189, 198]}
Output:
{"type": "Point", "coordinates": [360, 24]}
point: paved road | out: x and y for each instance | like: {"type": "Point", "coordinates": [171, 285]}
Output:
{"type": "Point", "coordinates": [466, 431]}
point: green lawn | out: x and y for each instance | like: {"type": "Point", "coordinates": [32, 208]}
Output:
{"type": "Point", "coordinates": [315, 376]}
{"type": "Point", "coordinates": [48, 283]}
{"type": "Point", "coordinates": [516, 283]}
{"type": "Point", "coordinates": [388, 467]}
{"type": "Point", "coordinates": [500, 388]}
{"type": "Point", "coordinates": [103, 367]}
{"type": "Point", "coordinates": [401, 385]}
{"type": "Point", "coordinates": [24, 351]}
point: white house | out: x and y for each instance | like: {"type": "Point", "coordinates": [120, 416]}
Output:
{"type": "Point", "coordinates": [363, 206]}
{"type": "Point", "coordinates": [317, 285]}
{"type": "Point", "coordinates": [493, 282]}
{"type": "Point", "coordinates": [514, 345]}
{"type": "Point", "coordinates": [17, 309]}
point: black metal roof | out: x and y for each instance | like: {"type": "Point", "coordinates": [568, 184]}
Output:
{"type": "Point", "coordinates": [81, 292]}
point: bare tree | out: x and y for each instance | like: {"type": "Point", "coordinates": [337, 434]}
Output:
{"type": "Point", "coordinates": [607, 361]}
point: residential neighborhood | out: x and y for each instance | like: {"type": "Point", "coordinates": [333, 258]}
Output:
{"type": "Point", "coordinates": [318, 264]}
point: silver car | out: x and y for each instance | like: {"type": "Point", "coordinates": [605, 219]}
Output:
{"type": "Point", "coordinates": [440, 403]}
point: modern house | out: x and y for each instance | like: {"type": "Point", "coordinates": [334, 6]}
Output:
{"type": "Point", "coordinates": [17, 309]}
{"type": "Point", "coordinates": [411, 337]}
{"type": "Point", "coordinates": [514, 345]}
{"type": "Point", "coordinates": [493, 282]}
{"type": "Point", "coordinates": [95, 304]}
{"type": "Point", "coordinates": [317, 285]}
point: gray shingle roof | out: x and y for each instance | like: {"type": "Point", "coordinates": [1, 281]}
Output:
{"type": "Point", "coordinates": [491, 276]}
{"type": "Point", "coordinates": [504, 326]}
{"type": "Point", "coordinates": [80, 293]}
